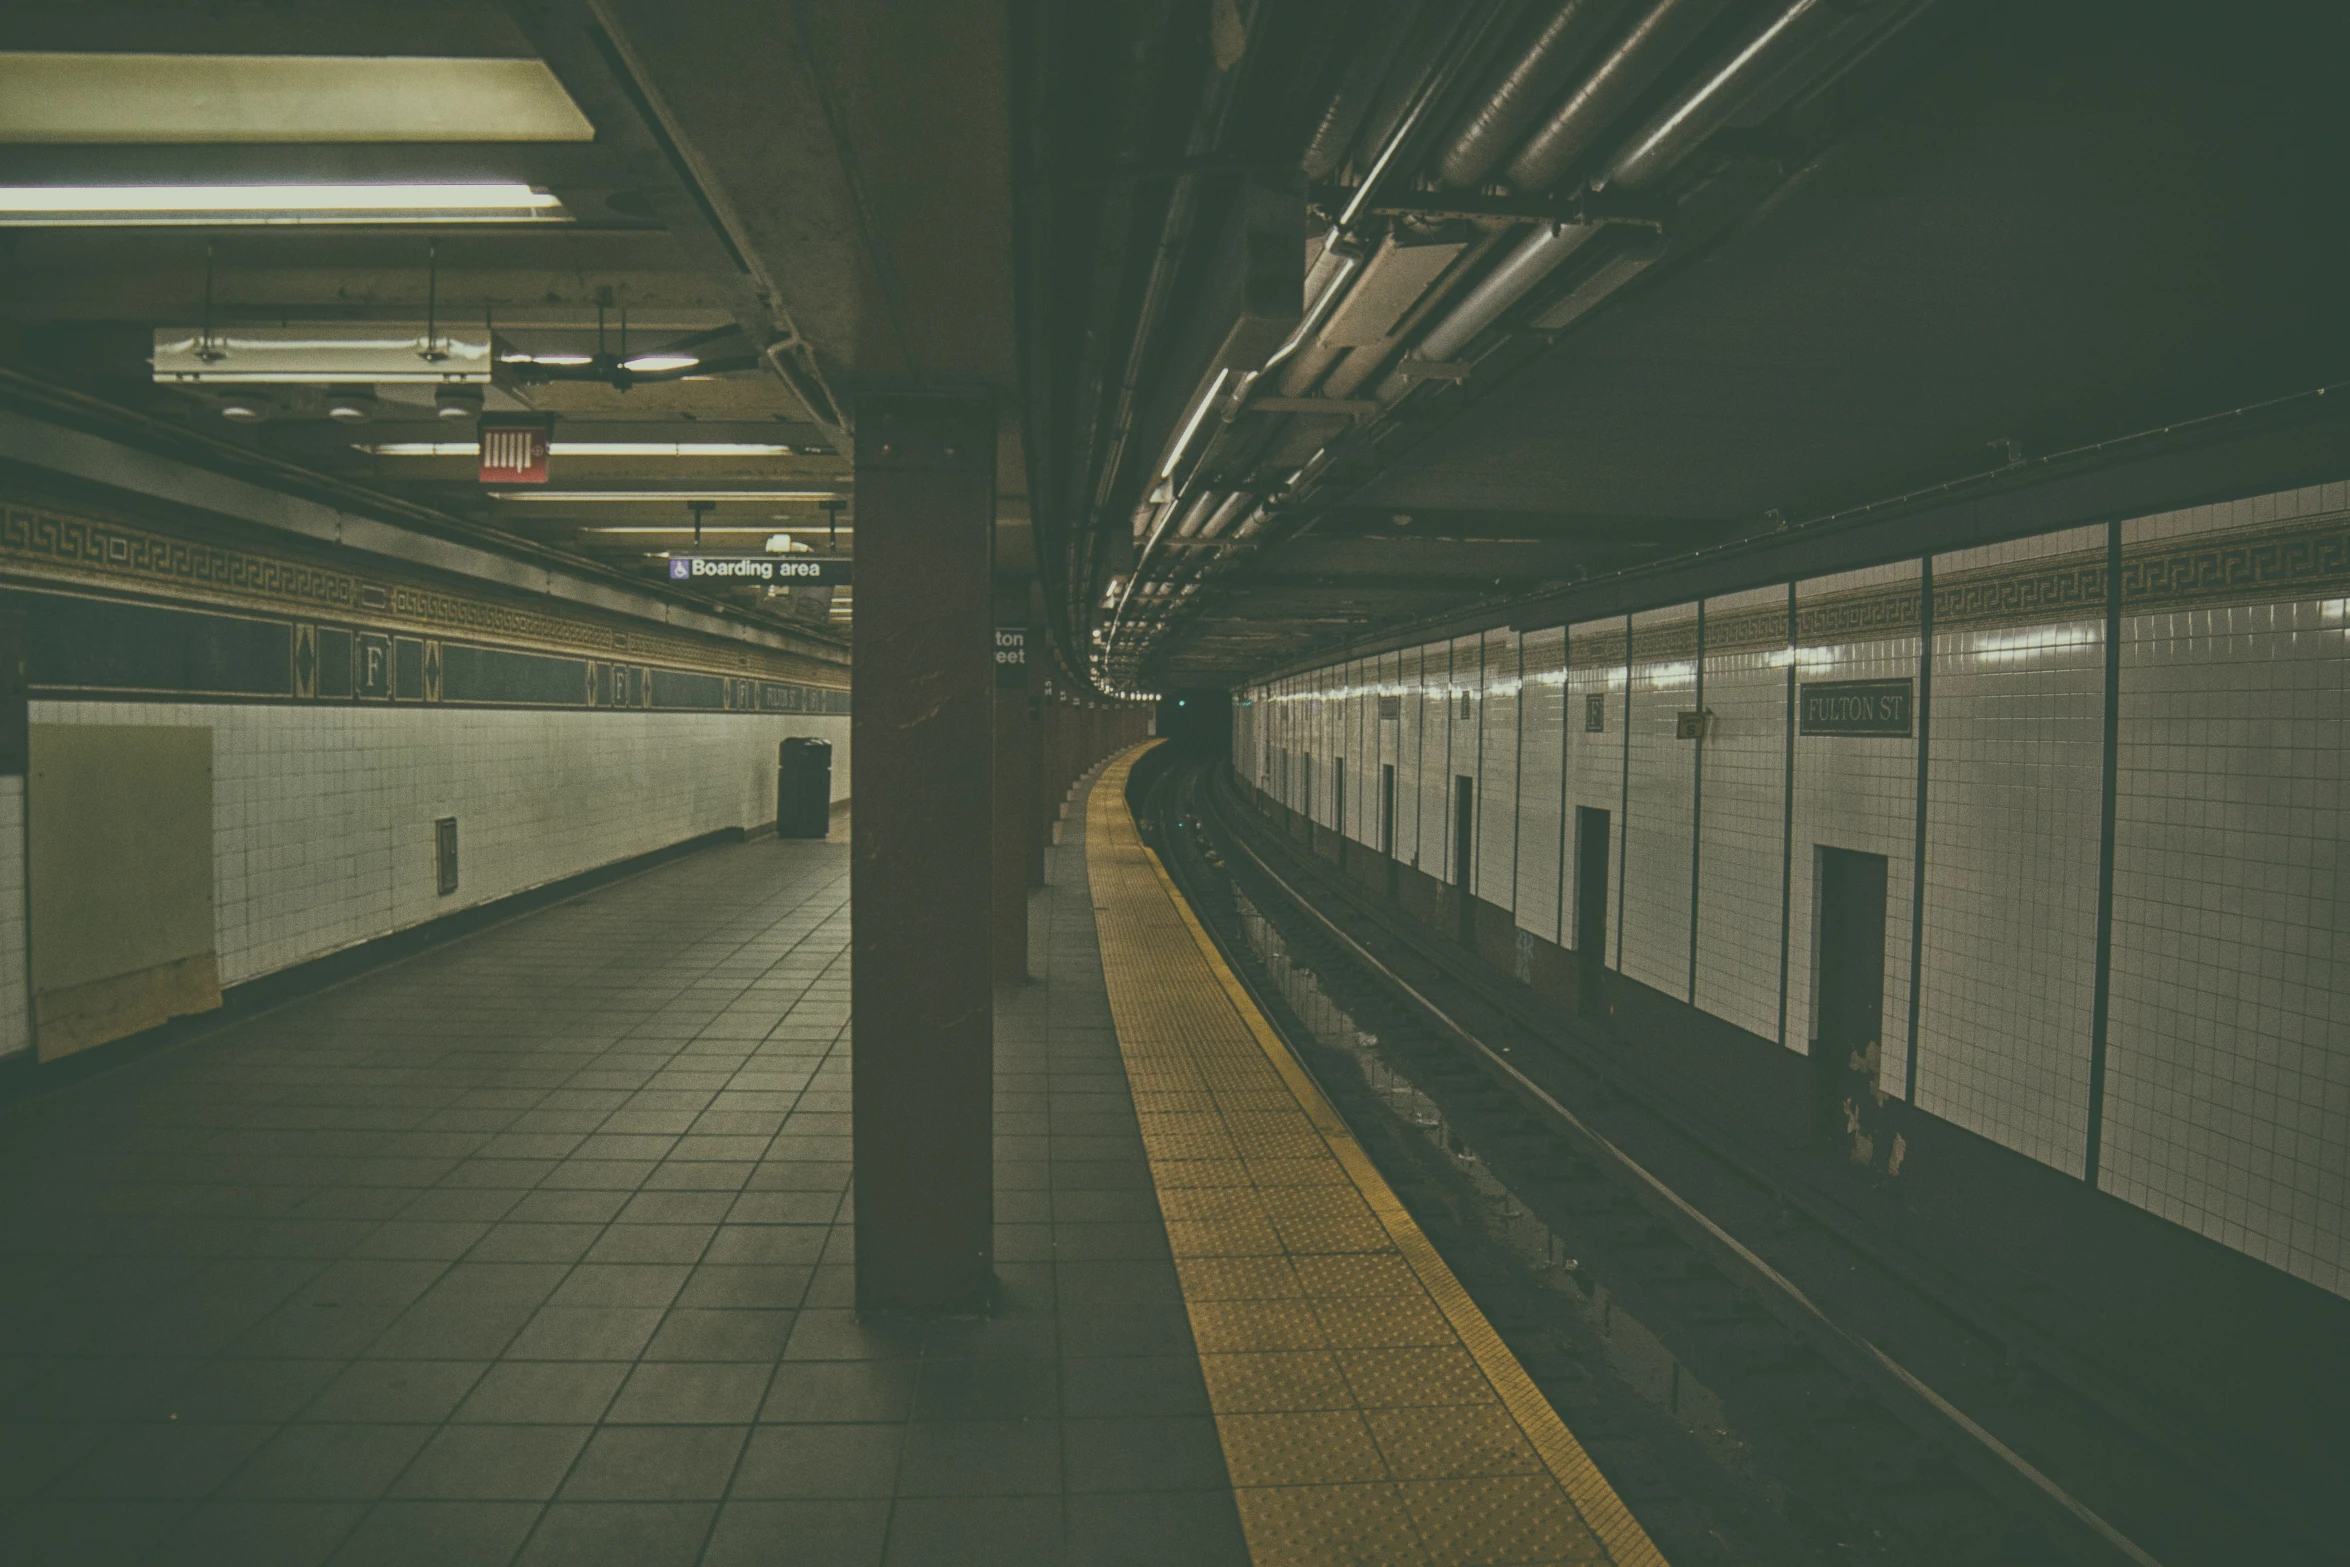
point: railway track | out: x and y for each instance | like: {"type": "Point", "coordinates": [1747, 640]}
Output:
{"type": "Point", "coordinates": [1760, 1384]}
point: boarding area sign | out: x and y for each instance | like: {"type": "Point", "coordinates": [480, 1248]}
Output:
{"type": "Point", "coordinates": [771, 570]}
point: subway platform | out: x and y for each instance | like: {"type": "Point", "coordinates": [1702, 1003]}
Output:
{"type": "Point", "coordinates": [535, 1247]}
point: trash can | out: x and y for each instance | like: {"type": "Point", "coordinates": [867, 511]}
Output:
{"type": "Point", "coordinates": [803, 788]}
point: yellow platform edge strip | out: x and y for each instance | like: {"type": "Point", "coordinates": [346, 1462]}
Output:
{"type": "Point", "coordinates": [1109, 827]}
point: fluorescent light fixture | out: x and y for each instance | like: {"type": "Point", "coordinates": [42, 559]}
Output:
{"type": "Point", "coordinates": [656, 496]}
{"type": "Point", "coordinates": [321, 355]}
{"type": "Point", "coordinates": [546, 359]}
{"type": "Point", "coordinates": [1191, 425]}
{"type": "Point", "coordinates": [114, 205]}
{"type": "Point", "coordinates": [589, 449]}
{"type": "Point", "coordinates": [652, 362]}
{"type": "Point", "coordinates": [684, 528]}
{"type": "Point", "coordinates": [65, 97]}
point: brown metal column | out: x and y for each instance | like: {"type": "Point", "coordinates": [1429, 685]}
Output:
{"type": "Point", "coordinates": [1040, 710]}
{"type": "Point", "coordinates": [922, 996]}
{"type": "Point", "coordinates": [1014, 815]}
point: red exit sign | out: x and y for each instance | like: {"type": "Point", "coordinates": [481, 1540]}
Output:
{"type": "Point", "coordinates": [514, 453]}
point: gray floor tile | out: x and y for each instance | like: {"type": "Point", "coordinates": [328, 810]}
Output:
{"type": "Point", "coordinates": [444, 1534]}
{"type": "Point", "coordinates": [543, 1393]}
{"type": "Point", "coordinates": [798, 1534]}
{"type": "Point", "coordinates": [818, 1461]}
{"type": "Point", "coordinates": [627, 1534]}
{"type": "Point", "coordinates": [656, 1464]}
{"type": "Point", "coordinates": [466, 1463]}
{"type": "Point", "coordinates": [328, 1463]}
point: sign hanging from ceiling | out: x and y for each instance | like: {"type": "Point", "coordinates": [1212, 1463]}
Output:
{"type": "Point", "coordinates": [773, 570]}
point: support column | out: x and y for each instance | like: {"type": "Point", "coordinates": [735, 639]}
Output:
{"type": "Point", "coordinates": [920, 897]}
{"type": "Point", "coordinates": [1040, 712]}
{"type": "Point", "coordinates": [1014, 815]}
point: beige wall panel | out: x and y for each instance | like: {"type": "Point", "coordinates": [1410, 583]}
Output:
{"type": "Point", "coordinates": [119, 841]}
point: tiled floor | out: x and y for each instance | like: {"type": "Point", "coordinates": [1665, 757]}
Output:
{"type": "Point", "coordinates": [536, 1248]}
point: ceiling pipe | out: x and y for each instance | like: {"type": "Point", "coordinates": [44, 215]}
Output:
{"type": "Point", "coordinates": [1422, 44]}
{"type": "Point", "coordinates": [1197, 513]}
{"type": "Point", "coordinates": [1221, 518]}
{"type": "Point", "coordinates": [1335, 131]}
{"type": "Point", "coordinates": [1671, 136]}
{"type": "Point", "coordinates": [1537, 256]}
{"type": "Point", "coordinates": [1677, 129]}
{"type": "Point", "coordinates": [1361, 364]}
{"type": "Point", "coordinates": [1345, 256]}
{"type": "Point", "coordinates": [1529, 84]}
{"type": "Point", "coordinates": [1622, 75]}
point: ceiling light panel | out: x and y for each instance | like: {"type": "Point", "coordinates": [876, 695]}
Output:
{"type": "Point", "coordinates": [657, 496]}
{"type": "Point", "coordinates": [345, 355]}
{"type": "Point", "coordinates": [70, 98]}
{"type": "Point", "coordinates": [590, 449]}
{"type": "Point", "coordinates": [149, 206]}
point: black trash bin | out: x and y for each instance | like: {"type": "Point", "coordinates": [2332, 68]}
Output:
{"type": "Point", "coordinates": [803, 788]}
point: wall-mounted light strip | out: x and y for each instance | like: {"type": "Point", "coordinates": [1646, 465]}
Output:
{"type": "Point", "coordinates": [589, 449]}
{"type": "Point", "coordinates": [110, 205]}
{"type": "Point", "coordinates": [657, 496]}
{"type": "Point", "coordinates": [687, 528]}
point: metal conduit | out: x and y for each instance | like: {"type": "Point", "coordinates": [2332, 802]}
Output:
{"type": "Point", "coordinates": [1529, 84]}
{"type": "Point", "coordinates": [1700, 111]}
{"type": "Point", "coordinates": [1234, 504]}
{"type": "Point", "coordinates": [1622, 75]}
{"type": "Point", "coordinates": [1335, 131]}
{"type": "Point", "coordinates": [1536, 257]}
{"type": "Point", "coordinates": [1671, 136]}
{"type": "Point", "coordinates": [1197, 513]}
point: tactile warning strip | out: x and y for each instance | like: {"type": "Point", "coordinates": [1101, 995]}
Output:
{"type": "Point", "coordinates": [1369, 1413]}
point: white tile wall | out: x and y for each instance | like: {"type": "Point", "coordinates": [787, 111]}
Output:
{"type": "Point", "coordinates": [2227, 1104]}
{"type": "Point", "coordinates": [323, 816]}
{"type": "Point", "coordinates": [1595, 762]}
{"type": "Point", "coordinates": [1436, 743]}
{"type": "Point", "coordinates": [2228, 1056]}
{"type": "Point", "coordinates": [1656, 827]}
{"type": "Point", "coordinates": [1858, 794]}
{"type": "Point", "coordinates": [1742, 824]}
{"type": "Point", "coordinates": [1497, 773]}
{"type": "Point", "coordinates": [1542, 733]}
{"type": "Point", "coordinates": [15, 994]}
{"type": "Point", "coordinates": [2014, 789]}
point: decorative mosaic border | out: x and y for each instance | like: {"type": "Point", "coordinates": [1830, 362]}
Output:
{"type": "Point", "coordinates": [48, 543]}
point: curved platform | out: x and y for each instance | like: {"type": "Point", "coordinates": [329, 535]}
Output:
{"type": "Point", "coordinates": [1367, 1410]}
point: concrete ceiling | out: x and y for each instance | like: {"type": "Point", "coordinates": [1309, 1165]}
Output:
{"type": "Point", "coordinates": [2042, 225]}
{"type": "Point", "coordinates": [817, 191]}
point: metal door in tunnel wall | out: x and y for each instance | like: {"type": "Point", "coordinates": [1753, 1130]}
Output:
{"type": "Point", "coordinates": [1849, 1112]}
{"type": "Point", "coordinates": [1592, 830]}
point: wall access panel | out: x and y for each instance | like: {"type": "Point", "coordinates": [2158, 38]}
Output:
{"type": "Point", "coordinates": [1742, 823]}
{"type": "Point", "coordinates": [2228, 1063]}
{"type": "Point", "coordinates": [2013, 796]}
{"type": "Point", "coordinates": [1657, 822]}
{"type": "Point", "coordinates": [1595, 744]}
{"type": "Point", "coordinates": [1497, 772]}
{"type": "Point", "coordinates": [1542, 701]}
{"type": "Point", "coordinates": [119, 873]}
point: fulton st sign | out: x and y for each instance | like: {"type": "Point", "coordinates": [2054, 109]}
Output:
{"type": "Point", "coordinates": [1858, 707]}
